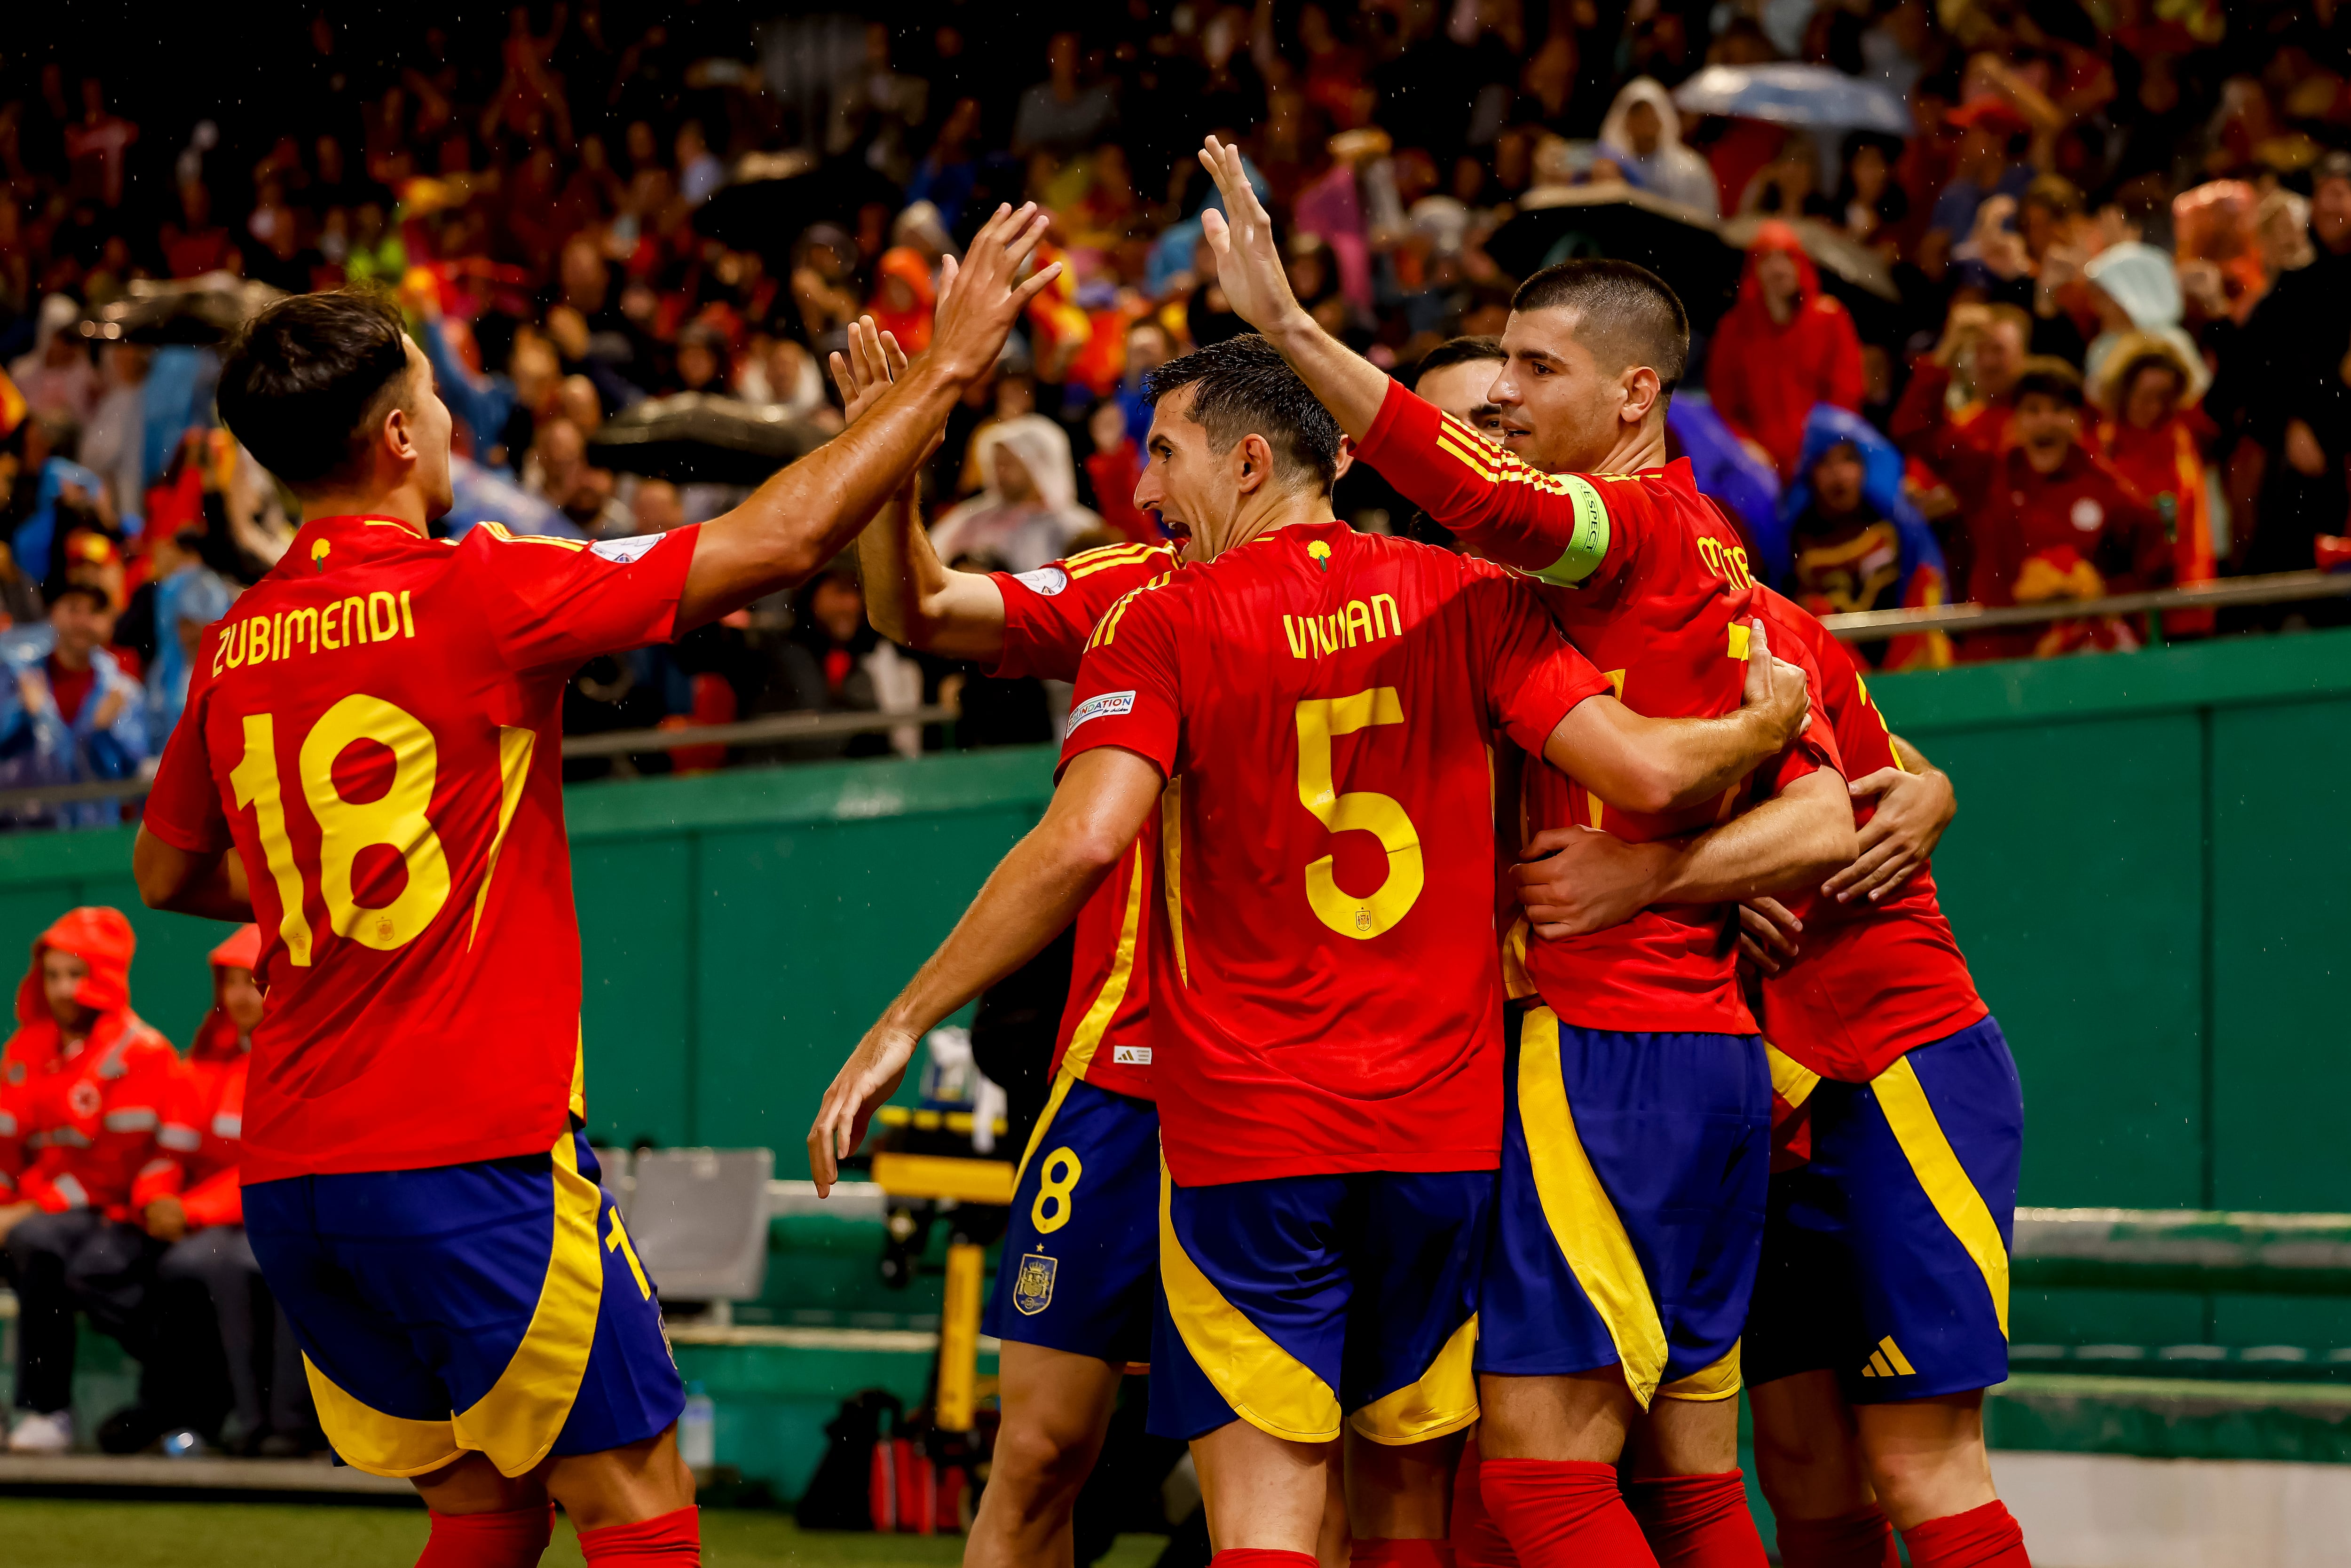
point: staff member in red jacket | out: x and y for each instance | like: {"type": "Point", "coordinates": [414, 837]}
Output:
{"type": "Point", "coordinates": [214, 1259]}
{"type": "Point", "coordinates": [83, 1084]}
{"type": "Point", "coordinates": [1783, 348]}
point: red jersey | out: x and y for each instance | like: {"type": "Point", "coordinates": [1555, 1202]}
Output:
{"type": "Point", "coordinates": [1651, 583]}
{"type": "Point", "coordinates": [1325, 990]}
{"type": "Point", "coordinates": [1870, 980]}
{"type": "Point", "coordinates": [1049, 613]}
{"type": "Point", "coordinates": [375, 729]}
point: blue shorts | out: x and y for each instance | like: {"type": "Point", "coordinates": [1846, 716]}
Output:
{"type": "Point", "coordinates": [1886, 1253]}
{"type": "Point", "coordinates": [495, 1307]}
{"type": "Point", "coordinates": [1631, 1209]}
{"type": "Point", "coordinates": [1288, 1302]}
{"type": "Point", "coordinates": [1080, 1266]}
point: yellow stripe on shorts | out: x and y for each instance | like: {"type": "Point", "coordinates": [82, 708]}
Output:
{"type": "Point", "coordinates": [1583, 1221]}
{"type": "Point", "coordinates": [518, 1420]}
{"type": "Point", "coordinates": [1266, 1385]}
{"type": "Point", "coordinates": [1908, 1113]}
{"type": "Point", "coordinates": [1441, 1400]}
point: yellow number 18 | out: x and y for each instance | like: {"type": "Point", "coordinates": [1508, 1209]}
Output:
{"type": "Point", "coordinates": [1363, 810]}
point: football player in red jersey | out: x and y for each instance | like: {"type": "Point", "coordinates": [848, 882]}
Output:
{"type": "Point", "coordinates": [1881, 1313]}
{"type": "Point", "coordinates": [374, 732]}
{"type": "Point", "coordinates": [1087, 1188]}
{"type": "Point", "coordinates": [1634, 1174]}
{"type": "Point", "coordinates": [1326, 996]}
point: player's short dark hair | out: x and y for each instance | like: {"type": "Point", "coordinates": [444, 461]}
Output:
{"type": "Point", "coordinates": [306, 380]}
{"type": "Point", "coordinates": [1625, 314]}
{"type": "Point", "coordinates": [1458, 351]}
{"type": "Point", "coordinates": [2047, 376]}
{"type": "Point", "coordinates": [1246, 388]}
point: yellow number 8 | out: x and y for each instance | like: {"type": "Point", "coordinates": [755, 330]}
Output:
{"type": "Point", "coordinates": [1055, 1190]}
{"type": "Point", "coordinates": [397, 820]}
{"type": "Point", "coordinates": [1358, 810]}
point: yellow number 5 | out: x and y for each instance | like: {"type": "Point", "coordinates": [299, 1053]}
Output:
{"type": "Point", "coordinates": [1360, 810]}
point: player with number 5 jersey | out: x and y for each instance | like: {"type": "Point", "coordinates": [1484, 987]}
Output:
{"type": "Point", "coordinates": [369, 767]}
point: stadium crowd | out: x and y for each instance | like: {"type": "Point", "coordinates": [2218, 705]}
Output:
{"type": "Point", "coordinates": [2081, 330]}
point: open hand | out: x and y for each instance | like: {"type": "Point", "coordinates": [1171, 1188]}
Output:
{"type": "Point", "coordinates": [874, 361]}
{"type": "Point", "coordinates": [1249, 263]}
{"type": "Point", "coordinates": [979, 300]}
{"type": "Point", "coordinates": [870, 1076]}
{"type": "Point", "coordinates": [1913, 809]}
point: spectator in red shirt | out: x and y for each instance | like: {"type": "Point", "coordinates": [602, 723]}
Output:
{"type": "Point", "coordinates": [2152, 431]}
{"type": "Point", "coordinates": [1115, 468]}
{"type": "Point", "coordinates": [213, 1262]}
{"type": "Point", "coordinates": [2051, 521]}
{"type": "Point", "coordinates": [1783, 347]}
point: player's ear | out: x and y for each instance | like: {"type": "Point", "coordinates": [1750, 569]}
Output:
{"type": "Point", "coordinates": [1255, 456]}
{"type": "Point", "coordinates": [1643, 386]}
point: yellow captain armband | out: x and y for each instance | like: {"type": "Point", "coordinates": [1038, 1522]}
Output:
{"type": "Point", "coordinates": [1587, 544]}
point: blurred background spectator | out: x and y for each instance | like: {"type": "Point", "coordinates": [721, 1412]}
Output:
{"type": "Point", "coordinates": [589, 208]}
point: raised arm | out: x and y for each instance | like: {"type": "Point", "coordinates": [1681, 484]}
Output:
{"type": "Point", "coordinates": [799, 520]}
{"type": "Point", "coordinates": [1654, 765]}
{"type": "Point", "coordinates": [911, 596]}
{"type": "Point", "coordinates": [1105, 798]}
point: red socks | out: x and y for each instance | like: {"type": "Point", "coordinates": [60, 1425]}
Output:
{"type": "Point", "coordinates": [511, 1540]}
{"type": "Point", "coordinates": [1862, 1539]}
{"type": "Point", "coordinates": [1698, 1521]}
{"type": "Point", "coordinates": [1477, 1540]}
{"type": "Point", "coordinates": [1563, 1514]}
{"type": "Point", "coordinates": [1986, 1536]}
{"type": "Point", "coordinates": [1377, 1552]}
{"type": "Point", "coordinates": [667, 1541]}
{"type": "Point", "coordinates": [1261, 1557]}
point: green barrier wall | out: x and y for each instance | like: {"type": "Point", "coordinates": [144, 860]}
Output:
{"type": "Point", "coordinates": [2151, 875]}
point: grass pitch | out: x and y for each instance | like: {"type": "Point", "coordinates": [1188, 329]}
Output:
{"type": "Point", "coordinates": [43, 1533]}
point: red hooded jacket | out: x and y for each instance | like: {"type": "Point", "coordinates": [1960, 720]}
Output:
{"type": "Point", "coordinates": [205, 1120]}
{"type": "Point", "coordinates": [77, 1126]}
{"type": "Point", "coordinates": [1764, 378]}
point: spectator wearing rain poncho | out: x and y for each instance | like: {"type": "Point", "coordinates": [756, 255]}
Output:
{"type": "Point", "coordinates": [1784, 346]}
{"type": "Point", "coordinates": [1847, 540]}
{"type": "Point", "coordinates": [1643, 136]}
{"type": "Point", "coordinates": [68, 713]}
{"type": "Point", "coordinates": [1028, 512]}
{"type": "Point", "coordinates": [191, 598]}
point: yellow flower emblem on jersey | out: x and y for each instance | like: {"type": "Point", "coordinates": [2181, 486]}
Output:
{"type": "Point", "coordinates": [1321, 551]}
{"type": "Point", "coordinates": [318, 548]}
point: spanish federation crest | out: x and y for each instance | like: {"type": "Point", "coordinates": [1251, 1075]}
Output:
{"type": "Point", "coordinates": [1032, 1290]}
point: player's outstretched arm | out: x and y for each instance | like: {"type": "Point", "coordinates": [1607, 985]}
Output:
{"type": "Point", "coordinates": [1915, 803]}
{"type": "Point", "coordinates": [211, 885]}
{"type": "Point", "coordinates": [1250, 271]}
{"type": "Point", "coordinates": [1105, 798]}
{"type": "Point", "coordinates": [911, 596]}
{"type": "Point", "coordinates": [801, 518]}
{"type": "Point", "coordinates": [1636, 763]}
{"type": "Point", "coordinates": [1575, 880]}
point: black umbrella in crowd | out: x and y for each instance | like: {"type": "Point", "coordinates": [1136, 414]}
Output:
{"type": "Point", "coordinates": [694, 438]}
{"type": "Point", "coordinates": [769, 198]}
{"type": "Point", "coordinates": [194, 311]}
{"type": "Point", "coordinates": [1678, 244]}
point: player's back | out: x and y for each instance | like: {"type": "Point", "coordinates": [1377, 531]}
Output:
{"type": "Point", "coordinates": [375, 726]}
{"type": "Point", "coordinates": [1870, 979]}
{"type": "Point", "coordinates": [1325, 988]}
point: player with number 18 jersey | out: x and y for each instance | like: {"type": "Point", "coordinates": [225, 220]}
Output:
{"type": "Point", "coordinates": [374, 728]}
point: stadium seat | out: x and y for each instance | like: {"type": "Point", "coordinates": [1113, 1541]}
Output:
{"type": "Point", "coordinates": [699, 1218]}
